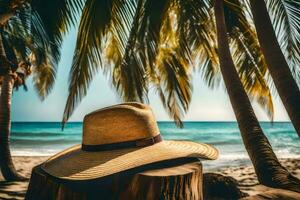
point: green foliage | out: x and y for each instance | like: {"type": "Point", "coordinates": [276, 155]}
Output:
{"type": "Point", "coordinates": [285, 16]}
{"type": "Point", "coordinates": [94, 23]}
{"type": "Point", "coordinates": [145, 43]}
{"type": "Point", "coordinates": [247, 55]}
{"type": "Point", "coordinates": [27, 43]}
{"type": "Point", "coordinates": [51, 19]}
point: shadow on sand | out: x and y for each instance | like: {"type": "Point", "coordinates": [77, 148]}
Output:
{"type": "Point", "coordinates": [13, 190]}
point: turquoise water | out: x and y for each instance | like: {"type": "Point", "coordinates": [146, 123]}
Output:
{"type": "Point", "coordinates": [46, 138]}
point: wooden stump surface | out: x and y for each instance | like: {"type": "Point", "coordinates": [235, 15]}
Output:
{"type": "Point", "coordinates": [173, 180]}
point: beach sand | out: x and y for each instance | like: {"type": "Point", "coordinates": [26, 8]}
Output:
{"type": "Point", "coordinates": [17, 190]}
{"type": "Point", "coordinates": [246, 177]}
{"type": "Point", "coordinates": [243, 173]}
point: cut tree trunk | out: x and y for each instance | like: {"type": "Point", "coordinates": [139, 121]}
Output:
{"type": "Point", "coordinates": [279, 69]}
{"type": "Point", "coordinates": [183, 181]}
{"type": "Point", "coordinates": [268, 169]}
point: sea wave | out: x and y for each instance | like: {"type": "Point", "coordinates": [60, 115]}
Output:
{"type": "Point", "coordinates": [39, 142]}
{"type": "Point", "coordinates": [45, 139]}
{"type": "Point", "coordinates": [228, 157]}
{"type": "Point", "coordinates": [42, 133]}
{"type": "Point", "coordinates": [34, 152]}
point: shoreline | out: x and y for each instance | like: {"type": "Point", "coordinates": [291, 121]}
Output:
{"type": "Point", "coordinates": [243, 173]}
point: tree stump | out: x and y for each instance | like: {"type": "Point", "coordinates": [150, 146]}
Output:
{"type": "Point", "coordinates": [173, 180]}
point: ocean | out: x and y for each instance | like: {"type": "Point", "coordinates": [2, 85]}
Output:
{"type": "Point", "coordinates": [47, 138]}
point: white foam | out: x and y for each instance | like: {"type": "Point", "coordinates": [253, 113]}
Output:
{"type": "Point", "coordinates": [27, 152]}
{"type": "Point", "coordinates": [241, 156]}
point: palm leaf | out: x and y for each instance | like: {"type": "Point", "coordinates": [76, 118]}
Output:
{"type": "Point", "coordinates": [175, 82]}
{"type": "Point", "coordinates": [130, 69]}
{"type": "Point", "coordinates": [43, 77]}
{"type": "Point", "coordinates": [197, 30]}
{"type": "Point", "coordinates": [25, 46]}
{"type": "Point", "coordinates": [98, 19]}
{"type": "Point", "coordinates": [285, 16]}
{"type": "Point", "coordinates": [51, 19]}
{"type": "Point", "coordinates": [247, 55]}
{"type": "Point", "coordinates": [172, 73]}
{"type": "Point", "coordinates": [153, 16]}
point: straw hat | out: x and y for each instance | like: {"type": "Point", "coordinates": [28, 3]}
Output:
{"type": "Point", "coordinates": [120, 138]}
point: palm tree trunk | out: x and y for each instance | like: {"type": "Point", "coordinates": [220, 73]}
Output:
{"type": "Point", "coordinates": [6, 163]}
{"type": "Point", "coordinates": [267, 167]}
{"type": "Point", "coordinates": [279, 69]}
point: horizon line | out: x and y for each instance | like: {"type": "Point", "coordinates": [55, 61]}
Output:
{"type": "Point", "coordinates": [217, 121]}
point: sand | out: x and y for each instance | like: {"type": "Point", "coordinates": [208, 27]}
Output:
{"type": "Point", "coordinates": [247, 178]}
{"type": "Point", "coordinates": [17, 190]}
{"type": "Point", "coordinates": [243, 173]}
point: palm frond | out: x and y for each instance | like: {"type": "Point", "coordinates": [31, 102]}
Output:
{"type": "Point", "coordinates": [43, 78]}
{"type": "Point", "coordinates": [28, 47]}
{"type": "Point", "coordinates": [253, 77]}
{"type": "Point", "coordinates": [248, 57]}
{"type": "Point", "coordinates": [172, 76]}
{"type": "Point", "coordinates": [51, 19]}
{"type": "Point", "coordinates": [133, 54]}
{"type": "Point", "coordinates": [98, 19]}
{"type": "Point", "coordinates": [17, 33]}
{"type": "Point", "coordinates": [175, 81]}
{"type": "Point", "coordinates": [44, 68]}
{"type": "Point", "coordinates": [129, 71]}
{"type": "Point", "coordinates": [285, 16]}
{"type": "Point", "coordinates": [148, 37]}
{"type": "Point", "coordinates": [197, 30]}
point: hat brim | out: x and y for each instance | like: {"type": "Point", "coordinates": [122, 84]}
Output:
{"type": "Point", "coordinates": [76, 164]}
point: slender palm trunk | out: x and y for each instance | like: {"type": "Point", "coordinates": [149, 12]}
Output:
{"type": "Point", "coordinates": [281, 74]}
{"type": "Point", "coordinates": [6, 163]}
{"type": "Point", "coordinates": [267, 167]}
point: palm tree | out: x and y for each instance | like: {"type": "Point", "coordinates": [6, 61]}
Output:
{"type": "Point", "coordinates": [23, 50]}
{"type": "Point", "coordinates": [131, 32]}
{"type": "Point", "coordinates": [125, 43]}
{"type": "Point", "coordinates": [278, 67]}
{"type": "Point", "coordinates": [7, 84]}
{"type": "Point", "coordinates": [285, 19]}
{"type": "Point", "coordinates": [266, 165]}
{"type": "Point", "coordinates": [137, 43]}
{"type": "Point", "coordinates": [197, 24]}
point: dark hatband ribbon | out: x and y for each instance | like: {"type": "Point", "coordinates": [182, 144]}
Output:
{"type": "Point", "coordinates": [123, 145]}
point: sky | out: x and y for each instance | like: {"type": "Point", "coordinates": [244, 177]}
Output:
{"type": "Point", "coordinates": [206, 105]}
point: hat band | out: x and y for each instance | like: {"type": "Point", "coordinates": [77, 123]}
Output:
{"type": "Point", "coordinates": [122, 145]}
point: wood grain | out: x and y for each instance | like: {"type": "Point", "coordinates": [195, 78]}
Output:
{"type": "Point", "coordinates": [182, 180]}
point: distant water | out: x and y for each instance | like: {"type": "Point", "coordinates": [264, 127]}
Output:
{"type": "Point", "coordinates": [47, 138]}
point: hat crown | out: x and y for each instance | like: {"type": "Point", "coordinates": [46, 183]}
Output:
{"type": "Point", "coordinates": [119, 123]}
